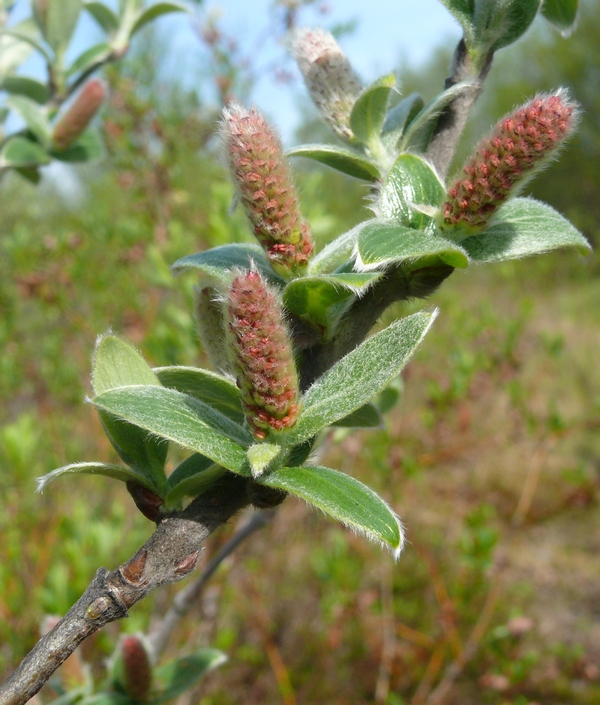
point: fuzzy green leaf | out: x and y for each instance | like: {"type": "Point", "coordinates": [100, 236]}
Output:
{"type": "Point", "coordinates": [340, 159]}
{"type": "Point", "coordinates": [156, 10]}
{"type": "Point", "coordinates": [89, 147]}
{"type": "Point", "coordinates": [191, 478]}
{"type": "Point", "coordinates": [25, 86]}
{"type": "Point", "coordinates": [261, 455]}
{"type": "Point", "coordinates": [16, 46]}
{"type": "Point", "coordinates": [343, 498]}
{"type": "Point", "coordinates": [385, 241]}
{"type": "Point", "coordinates": [366, 417]}
{"type": "Point", "coordinates": [22, 152]}
{"type": "Point", "coordinates": [34, 117]}
{"type": "Point", "coordinates": [497, 24]}
{"type": "Point", "coordinates": [322, 300]}
{"type": "Point", "coordinates": [117, 364]}
{"type": "Point", "coordinates": [216, 264]}
{"type": "Point", "coordinates": [368, 113]}
{"type": "Point", "coordinates": [178, 676]}
{"type": "Point", "coordinates": [360, 375]}
{"type": "Point", "coordinates": [94, 56]}
{"type": "Point", "coordinates": [30, 173]}
{"type": "Point", "coordinates": [419, 132]}
{"type": "Point", "coordinates": [182, 419]}
{"type": "Point", "coordinates": [117, 472]}
{"type": "Point", "coordinates": [524, 227]}
{"type": "Point", "coordinates": [463, 11]}
{"type": "Point", "coordinates": [209, 387]}
{"type": "Point", "coordinates": [410, 183]}
{"type": "Point", "coordinates": [398, 119]}
{"type": "Point", "coordinates": [103, 15]}
{"type": "Point", "coordinates": [562, 14]}
{"type": "Point", "coordinates": [57, 22]}
{"type": "Point", "coordinates": [335, 253]}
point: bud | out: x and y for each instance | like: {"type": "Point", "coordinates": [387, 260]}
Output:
{"type": "Point", "coordinates": [262, 355]}
{"type": "Point", "coordinates": [330, 79]}
{"type": "Point", "coordinates": [80, 113]}
{"type": "Point", "coordinates": [521, 143]}
{"type": "Point", "coordinates": [135, 668]}
{"type": "Point", "coordinates": [264, 183]}
{"type": "Point", "coordinates": [209, 320]}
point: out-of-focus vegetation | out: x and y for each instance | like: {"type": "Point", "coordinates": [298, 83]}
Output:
{"type": "Point", "coordinates": [491, 459]}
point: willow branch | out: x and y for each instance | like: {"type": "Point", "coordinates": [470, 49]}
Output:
{"type": "Point", "coordinates": [169, 555]}
{"type": "Point", "coordinates": [452, 120]}
{"type": "Point", "coordinates": [184, 600]}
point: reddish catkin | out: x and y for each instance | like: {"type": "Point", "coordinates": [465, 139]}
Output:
{"type": "Point", "coordinates": [266, 190]}
{"type": "Point", "coordinates": [80, 113]}
{"type": "Point", "coordinates": [329, 77]}
{"type": "Point", "coordinates": [262, 355]}
{"type": "Point", "coordinates": [521, 143]}
{"type": "Point", "coordinates": [137, 669]}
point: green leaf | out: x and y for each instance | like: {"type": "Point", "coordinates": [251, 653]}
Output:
{"type": "Point", "coordinates": [191, 478]}
{"type": "Point", "coordinates": [322, 300]}
{"type": "Point", "coordinates": [360, 375]}
{"type": "Point", "coordinates": [182, 419]}
{"type": "Point", "coordinates": [16, 46]}
{"type": "Point", "coordinates": [22, 152]}
{"type": "Point", "coordinates": [340, 159]}
{"type": "Point", "coordinates": [30, 173]}
{"type": "Point", "coordinates": [335, 253]}
{"type": "Point", "coordinates": [211, 388]}
{"type": "Point", "coordinates": [103, 15]}
{"type": "Point", "coordinates": [19, 36]}
{"type": "Point", "coordinates": [195, 464]}
{"type": "Point", "coordinates": [117, 472]}
{"type": "Point", "coordinates": [180, 675]}
{"type": "Point", "coordinates": [25, 86]}
{"type": "Point", "coordinates": [368, 114]}
{"type": "Point", "coordinates": [497, 24]}
{"type": "Point", "coordinates": [91, 57]}
{"type": "Point", "coordinates": [34, 117]}
{"type": "Point", "coordinates": [410, 182]}
{"type": "Point", "coordinates": [463, 11]}
{"type": "Point", "coordinates": [524, 227]}
{"type": "Point", "coordinates": [366, 417]}
{"type": "Point", "coordinates": [261, 455]}
{"type": "Point", "coordinates": [399, 117]}
{"type": "Point", "coordinates": [89, 147]}
{"type": "Point", "coordinates": [383, 242]}
{"type": "Point", "coordinates": [57, 22]}
{"type": "Point", "coordinates": [562, 14]}
{"type": "Point", "coordinates": [419, 132]}
{"type": "Point", "coordinates": [216, 264]}
{"type": "Point", "coordinates": [154, 11]}
{"type": "Point", "coordinates": [117, 364]}
{"type": "Point", "coordinates": [343, 498]}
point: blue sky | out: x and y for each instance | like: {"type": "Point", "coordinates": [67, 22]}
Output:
{"type": "Point", "coordinates": [387, 31]}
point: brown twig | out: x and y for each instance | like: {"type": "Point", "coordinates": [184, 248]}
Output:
{"type": "Point", "coordinates": [184, 601]}
{"type": "Point", "coordinates": [169, 555]}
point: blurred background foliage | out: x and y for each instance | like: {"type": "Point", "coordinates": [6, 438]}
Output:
{"type": "Point", "coordinates": [491, 458]}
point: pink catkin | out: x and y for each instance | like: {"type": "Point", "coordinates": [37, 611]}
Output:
{"type": "Point", "coordinates": [264, 183]}
{"type": "Point", "coordinates": [79, 115]}
{"type": "Point", "coordinates": [262, 355]}
{"type": "Point", "coordinates": [520, 143]}
{"type": "Point", "coordinates": [331, 81]}
{"type": "Point", "coordinates": [137, 669]}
